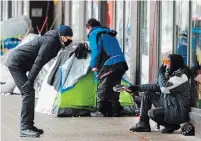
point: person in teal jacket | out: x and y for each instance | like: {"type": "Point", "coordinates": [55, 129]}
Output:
{"type": "Point", "coordinates": [108, 62]}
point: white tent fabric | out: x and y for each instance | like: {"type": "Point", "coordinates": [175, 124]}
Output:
{"type": "Point", "coordinates": [73, 70]}
{"type": "Point", "coordinates": [46, 95]}
{"type": "Point", "coordinates": [17, 26]}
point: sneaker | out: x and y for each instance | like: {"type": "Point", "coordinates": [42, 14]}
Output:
{"type": "Point", "coordinates": [97, 114]}
{"type": "Point", "coordinates": [169, 130]}
{"type": "Point", "coordinates": [29, 133]}
{"type": "Point", "coordinates": [157, 126]}
{"type": "Point", "coordinates": [40, 131]}
{"type": "Point", "coordinates": [141, 127]}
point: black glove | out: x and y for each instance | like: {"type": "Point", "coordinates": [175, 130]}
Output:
{"type": "Point", "coordinates": [27, 87]}
{"type": "Point", "coordinates": [132, 88]}
{"type": "Point", "coordinates": [162, 69]}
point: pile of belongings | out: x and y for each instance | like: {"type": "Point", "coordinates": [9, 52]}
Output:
{"type": "Point", "coordinates": [188, 129]}
{"type": "Point", "coordinates": [7, 85]}
{"type": "Point", "coordinates": [68, 90]}
{"type": "Point", "coordinates": [12, 30]}
{"type": "Point", "coordinates": [8, 43]}
{"type": "Point", "coordinates": [15, 27]}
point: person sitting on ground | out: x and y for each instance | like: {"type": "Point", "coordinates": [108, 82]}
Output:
{"type": "Point", "coordinates": [170, 96]}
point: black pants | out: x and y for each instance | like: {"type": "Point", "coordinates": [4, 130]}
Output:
{"type": "Point", "coordinates": [107, 99]}
{"type": "Point", "coordinates": [156, 114]}
{"type": "Point", "coordinates": [28, 99]}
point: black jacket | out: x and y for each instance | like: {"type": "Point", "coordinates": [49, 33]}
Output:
{"type": "Point", "coordinates": [33, 55]}
{"type": "Point", "coordinates": [174, 91]}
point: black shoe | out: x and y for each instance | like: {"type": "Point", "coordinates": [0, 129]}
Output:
{"type": "Point", "coordinates": [116, 115]}
{"type": "Point", "coordinates": [141, 127]}
{"type": "Point", "coordinates": [29, 133]}
{"type": "Point", "coordinates": [168, 130]}
{"type": "Point", "coordinates": [97, 114]}
{"type": "Point", "coordinates": [40, 131]}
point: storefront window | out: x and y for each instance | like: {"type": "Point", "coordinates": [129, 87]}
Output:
{"type": "Point", "coordinates": [166, 29]}
{"type": "Point", "coordinates": [96, 10]}
{"type": "Point", "coordinates": [182, 11]}
{"type": "Point", "coordinates": [119, 21]}
{"type": "Point", "coordinates": [127, 33]}
{"type": "Point", "coordinates": [110, 14]}
{"type": "Point", "coordinates": [144, 41]}
{"type": "Point", "coordinates": [89, 10]}
{"type": "Point", "coordinates": [196, 50]}
{"type": "Point", "coordinates": [75, 19]}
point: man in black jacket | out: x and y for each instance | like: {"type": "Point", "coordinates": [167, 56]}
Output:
{"type": "Point", "coordinates": [170, 96]}
{"type": "Point", "coordinates": [31, 57]}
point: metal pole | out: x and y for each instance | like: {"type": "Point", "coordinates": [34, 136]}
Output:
{"type": "Point", "coordinates": [1, 10]}
{"type": "Point", "coordinates": [138, 67]}
{"type": "Point", "coordinates": [159, 35]}
{"type": "Point", "coordinates": [134, 42]}
{"type": "Point", "coordinates": [5, 10]}
{"type": "Point", "coordinates": [174, 36]}
{"type": "Point", "coordinates": [189, 49]}
{"type": "Point", "coordinates": [124, 18]}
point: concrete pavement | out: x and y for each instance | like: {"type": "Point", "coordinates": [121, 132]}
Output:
{"type": "Point", "coordinates": [77, 129]}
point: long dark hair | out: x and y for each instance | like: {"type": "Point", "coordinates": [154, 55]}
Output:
{"type": "Point", "coordinates": [92, 23]}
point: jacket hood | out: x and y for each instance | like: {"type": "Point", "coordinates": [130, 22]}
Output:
{"type": "Point", "coordinates": [176, 61]}
{"type": "Point", "coordinates": [98, 29]}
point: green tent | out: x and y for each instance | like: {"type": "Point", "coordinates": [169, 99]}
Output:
{"type": "Point", "coordinates": [81, 99]}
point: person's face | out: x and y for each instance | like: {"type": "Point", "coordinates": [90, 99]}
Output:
{"type": "Point", "coordinates": [64, 39]}
{"type": "Point", "coordinates": [88, 29]}
{"type": "Point", "coordinates": [168, 66]}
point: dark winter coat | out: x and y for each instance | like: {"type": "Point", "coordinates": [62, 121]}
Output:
{"type": "Point", "coordinates": [33, 55]}
{"type": "Point", "coordinates": [174, 91]}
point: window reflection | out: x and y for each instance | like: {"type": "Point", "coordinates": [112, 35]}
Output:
{"type": "Point", "coordinates": [144, 41]}
{"type": "Point", "coordinates": [75, 19]}
{"type": "Point", "coordinates": [119, 22]}
{"type": "Point", "coordinates": [89, 10]}
{"type": "Point", "coordinates": [96, 10]}
{"type": "Point", "coordinates": [167, 29]}
{"type": "Point", "coordinates": [182, 27]}
{"type": "Point", "coordinates": [196, 52]}
{"type": "Point", "coordinates": [127, 31]}
{"type": "Point", "coordinates": [110, 14]}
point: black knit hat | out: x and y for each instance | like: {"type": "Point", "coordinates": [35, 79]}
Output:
{"type": "Point", "coordinates": [176, 61]}
{"type": "Point", "coordinates": [65, 30]}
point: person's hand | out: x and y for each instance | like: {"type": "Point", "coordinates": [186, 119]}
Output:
{"type": "Point", "coordinates": [27, 87]}
{"type": "Point", "coordinates": [162, 69]}
{"type": "Point", "coordinates": [94, 69]}
{"type": "Point", "coordinates": [129, 89]}
{"type": "Point", "coordinates": [89, 69]}
{"type": "Point", "coordinates": [119, 88]}
{"type": "Point", "coordinates": [132, 88]}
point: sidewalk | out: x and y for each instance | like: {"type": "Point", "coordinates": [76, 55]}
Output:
{"type": "Point", "coordinates": [77, 129]}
